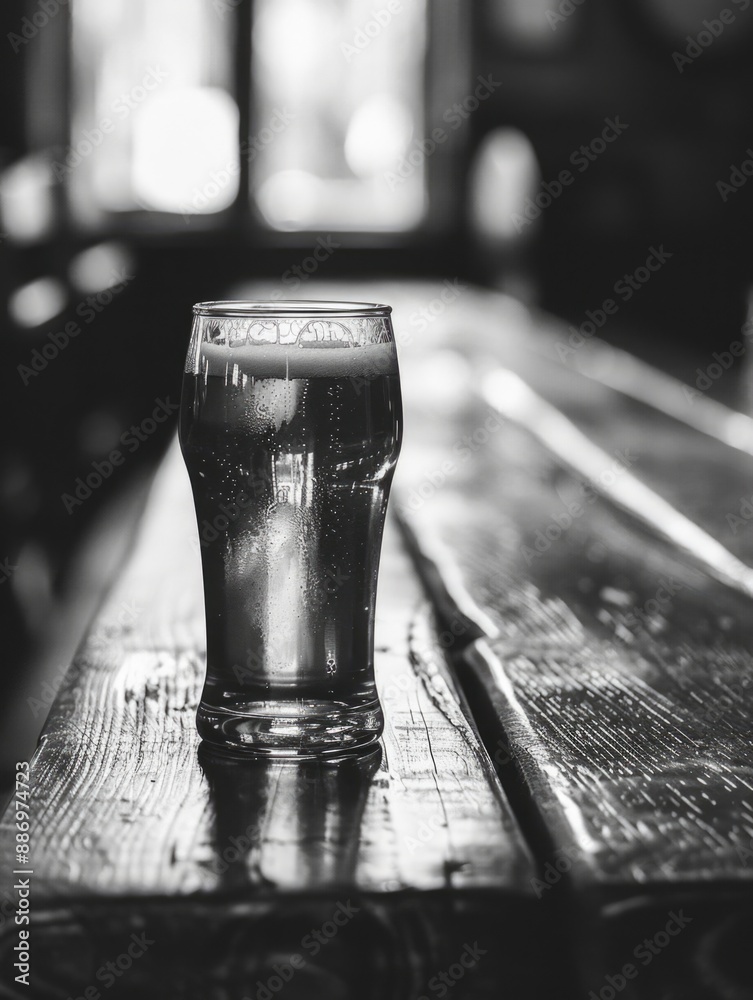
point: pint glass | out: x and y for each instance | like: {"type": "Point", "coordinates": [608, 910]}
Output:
{"type": "Point", "coordinates": [290, 428]}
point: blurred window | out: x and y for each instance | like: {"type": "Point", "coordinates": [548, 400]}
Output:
{"type": "Point", "coordinates": [338, 114]}
{"type": "Point", "coordinates": [154, 124]}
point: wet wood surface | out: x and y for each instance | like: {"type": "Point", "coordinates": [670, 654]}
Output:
{"type": "Point", "coordinates": [228, 866]}
{"type": "Point", "coordinates": [611, 676]}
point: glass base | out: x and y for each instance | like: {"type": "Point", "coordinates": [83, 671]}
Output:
{"type": "Point", "coordinates": [290, 729]}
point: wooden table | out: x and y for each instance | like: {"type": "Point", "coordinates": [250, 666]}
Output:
{"type": "Point", "coordinates": [562, 801]}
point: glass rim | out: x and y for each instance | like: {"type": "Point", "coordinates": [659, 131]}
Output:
{"type": "Point", "coordinates": [295, 308]}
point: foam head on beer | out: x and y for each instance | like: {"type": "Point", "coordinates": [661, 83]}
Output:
{"type": "Point", "coordinates": [284, 361]}
{"type": "Point", "coordinates": [290, 348]}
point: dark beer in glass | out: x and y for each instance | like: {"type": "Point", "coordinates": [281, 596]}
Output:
{"type": "Point", "coordinates": [290, 429]}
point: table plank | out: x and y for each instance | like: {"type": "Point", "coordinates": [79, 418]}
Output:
{"type": "Point", "coordinates": [609, 675]}
{"type": "Point", "coordinates": [133, 831]}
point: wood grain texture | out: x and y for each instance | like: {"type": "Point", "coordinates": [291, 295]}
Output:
{"type": "Point", "coordinates": [133, 829]}
{"type": "Point", "coordinates": [610, 677]}
{"type": "Point", "coordinates": [679, 659]}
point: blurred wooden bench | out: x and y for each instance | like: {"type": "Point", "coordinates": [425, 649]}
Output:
{"type": "Point", "coordinates": [564, 783]}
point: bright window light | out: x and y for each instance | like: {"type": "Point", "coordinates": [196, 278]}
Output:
{"type": "Point", "coordinates": [338, 110]}
{"type": "Point", "coordinates": [154, 126]}
{"type": "Point", "coordinates": [378, 135]}
{"type": "Point", "coordinates": [185, 151]}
